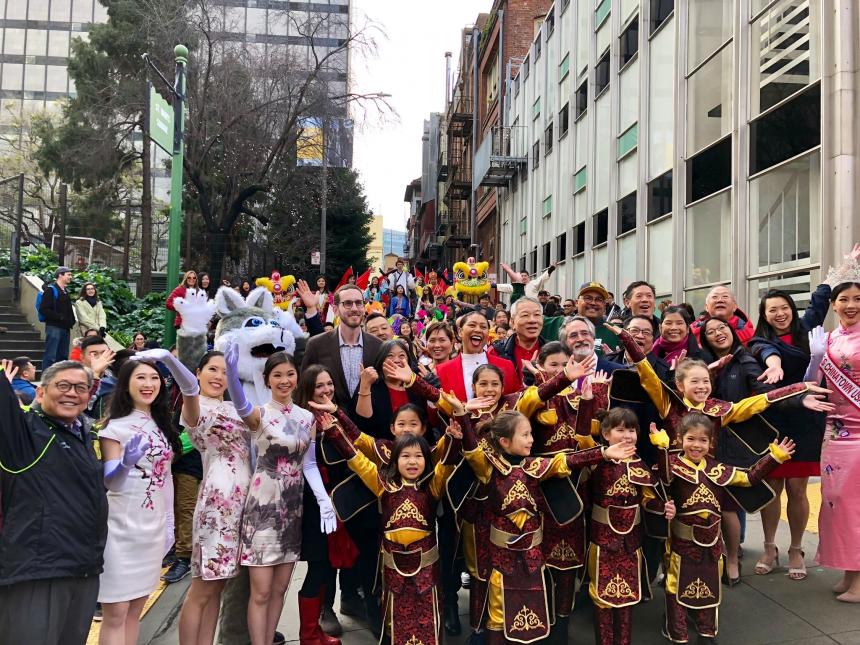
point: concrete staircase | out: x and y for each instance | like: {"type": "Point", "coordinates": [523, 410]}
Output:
{"type": "Point", "coordinates": [20, 338]}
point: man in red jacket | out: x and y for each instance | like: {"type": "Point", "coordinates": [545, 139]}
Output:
{"type": "Point", "coordinates": [720, 303]}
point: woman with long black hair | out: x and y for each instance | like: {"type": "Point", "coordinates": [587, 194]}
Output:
{"type": "Point", "coordinates": [138, 442]}
{"type": "Point", "coordinates": [781, 343]}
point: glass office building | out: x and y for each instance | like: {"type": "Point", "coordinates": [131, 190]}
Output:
{"type": "Point", "coordinates": [691, 144]}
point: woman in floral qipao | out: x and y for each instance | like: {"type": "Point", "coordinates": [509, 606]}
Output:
{"type": "Point", "coordinates": [284, 435]}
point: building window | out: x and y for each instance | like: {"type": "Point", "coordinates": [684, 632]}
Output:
{"type": "Point", "coordinates": [564, 68]}
{"type": "Point", "coordinates": [786, 131]}
{"type": "Point", "coordinates": [601, 13]}
{"type": "Point", "coordinates": [563, 121]}
{"type": "Point", "coordinates": [534, 260]}
{"type": "Point", "coordinates": [522, 264]}
{"type": "Point", "coordinates": [536, 155]}
{"type": "Point", "coordinates": [601, 227]}
{"type": "Point", "coordinates": [660, 236]}
{"type": "Point", "coordinates": [561, 247]}
{"type": "Point", "coordinates": [536, 109]}
{"type": "Point", "coordinates": [581, 99]}
{"type": "Point", "coordinates": [526, 67]}
{"type": "Point", "coordinates": [709, 27]}
{"type": "Point", "coordinates": [564, 5]}
{"type": "Point", "coordinates": [708, 244]}
{"type": "Point", "coordinates": [629, 41]}
{"type": "Point", "coordinates": [578, 239]}
{"type": "Point", "coordinates": [709, 171]}
{"type": "Point", "coordinates": [709, 102]}
{"type": "Point", "coordinates": [627, 140]}
{"type": "Point", "coordinates": [580, 179]}
{"type": "Point", "coordinates": [547, 254]}
{"type": "Point", "coordinates": [627, 213]}
{"type": "Point", "coordinates": [786, 52]}
{"type": "Point", "coordinates": [601, 73]}
{"type": "Point", "coordinates": [524, 225]}
{"type": "Point", "coordinates": [550, 22]}
{"type": "Point", "coordinates": [548, 139]}
{"type": "Point", "coordinates": [660, 12]}
{"type": "Point", "coordinates": [538, 46]}
{"type": "Point", "coordinates": [785, 204]}
{"type": "Point", "coordinates": [660, 196]}
{"type": "Point", "coordinates": [547, 206]}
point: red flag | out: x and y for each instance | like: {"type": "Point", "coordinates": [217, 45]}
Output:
{"type": "Point", "coordinates": [345, 277]}
{"type": "Point", "coordinates": [363, 280]}
{"type": "Point", "coordinates": [418, 273]}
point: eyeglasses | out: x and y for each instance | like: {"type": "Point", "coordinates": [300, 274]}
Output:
{"type": "Point", "coordinates": [713, 331]}
{"type": "Point", "coordinates": [579, 334]}
{"type": "Point", "coordinates": [647, 333]}
{"type": "Point", "coordinates": [597, 299]}
{"type": "Point", "coordinates": [65, 387]}
{"type": "Point", "coordinates": [352, 304]}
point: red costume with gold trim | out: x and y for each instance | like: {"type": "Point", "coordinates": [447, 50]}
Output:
{"type": "Point", "coordinates": [620, 492]}
{"type": "Point", "coordinates": [564, 426]}
{"type": "Point", "coordinates": [412, 603]}
{"type": "Point", "coordinates": [517, 599]}
{"type": "Point", "coordinates": [695, 547]}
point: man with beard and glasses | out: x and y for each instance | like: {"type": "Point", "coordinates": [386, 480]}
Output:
{"type": "Point", "coordinates": [578, 335]}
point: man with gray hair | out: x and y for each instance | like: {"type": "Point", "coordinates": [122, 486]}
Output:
{"type": "Point", "coordinates": [527, 322]}
{"type": "Point", "coordinates": [578, 334]}
{"type": "Point", "coordinates": [54, 509]}
{"type": "Point", "coordinates": [721, 303]}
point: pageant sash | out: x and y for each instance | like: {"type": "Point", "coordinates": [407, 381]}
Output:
{"type": "Point", "coordinates": [840, 381]}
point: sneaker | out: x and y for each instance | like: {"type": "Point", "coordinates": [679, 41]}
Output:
{"type": "Point", "coordinates": [169, 559]}
{"type": "Point", "coordinates": [97, 616]}
{"type": "Point", "coordinates": [178, 570]}
{"type": "Point", "coordinates": [465, 580]}
{"type": "Point", "coordinates": [329, 622]}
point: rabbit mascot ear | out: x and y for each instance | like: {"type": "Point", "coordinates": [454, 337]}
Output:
{"type": "Point", "coordinates": [256, 327]}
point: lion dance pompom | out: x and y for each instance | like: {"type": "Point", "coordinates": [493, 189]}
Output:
{"type": "Point", "coordinates": [283, 289]}
{"type": "Point", "coordinates": [471, 277]}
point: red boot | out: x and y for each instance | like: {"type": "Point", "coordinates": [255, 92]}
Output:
{"type": "Point", "coordinates": [310, 632]}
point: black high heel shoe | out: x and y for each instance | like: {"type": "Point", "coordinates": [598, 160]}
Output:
{"type": "Point", "coordinates": [729, 581]}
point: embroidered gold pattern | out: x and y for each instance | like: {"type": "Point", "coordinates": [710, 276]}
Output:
{"type": "Point", "coordinates": [414, 641]}
{"type": "Point", "coordinates": [697, 590]}
{"type": "Point", "coordinates": [564, 432]}
{"type": "Point", "coordinates": [683, 470]}
{"type": "Point", "coordinates": [621, 486]}
{"type": "Point", "coordinates": [526, 620]}
{"type": "Point", "coordinates": [702, 495]}
{"type": "Point", "coordinates": [518, 491]}
{"type": "Point", "coordinates": [717, 471]}
{"type": "Point", "coordinates": [618, 588]}
{"type": "Point", "coordinates": [636, 471]}
{"type": "Point", "coordinates": [407, 510]}
{"type": "Point", "coordinates": [564, 552]}
{"type": "Point", "coordinates": [385, 450]}
{"type": "Point", "coordinates": [714, 410]}
{"type": "Point", "coordinates": [534, 466]}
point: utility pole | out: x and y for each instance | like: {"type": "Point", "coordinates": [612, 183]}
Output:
{"type": "Point", "coordinates": [324, 200]}
{"type": "Point", "coordinates": [174, 235]}
{"type": "Point", "coordinates": [126, 239]}
{"type": "Point", "coordinates": [63, 216]}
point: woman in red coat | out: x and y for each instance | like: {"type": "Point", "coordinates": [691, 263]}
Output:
{"type": "Point", "coordinates": [189, 281]}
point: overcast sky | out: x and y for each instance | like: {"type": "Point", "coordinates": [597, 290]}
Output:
{"type": "Point", "coordinates": [409, 65]}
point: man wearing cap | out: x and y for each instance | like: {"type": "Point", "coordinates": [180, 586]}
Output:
{"type": "Point", "coordinates": [591, 304]}
{"type": "Point", "coordinates": [56, 309]}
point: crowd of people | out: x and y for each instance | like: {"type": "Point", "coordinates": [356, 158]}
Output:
{"type": "Point", "coordinates": [410, 440]}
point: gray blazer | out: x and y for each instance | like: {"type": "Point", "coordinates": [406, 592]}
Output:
{"type": "Point", "coordinates": [325, 350]}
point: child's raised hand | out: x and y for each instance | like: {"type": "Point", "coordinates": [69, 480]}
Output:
{"type": "Point", "coordinates": [395, 373]}
{"type": "Point", "coordinates": [619, 451]}
{"type": "Point", "coordinates": [482, 403]}
{"type": "Point", "coordinates": [600, 376]}
{"type": "Point", "coordinates": [673, 365]}
{"type": "Point", "coordinates": [325, 405]}
{"type": "Point", "coordinates": [456, 404]}
{"type": "Point", "coordinates": [454, 430]}
{"type": "Point", "coordinates": [669, 509]}
{"type": "Point", "coordinates": [574, 370]}
{"type": "Point", "coordinates": [787, 445]}
{"type": "Point", "coordinates": [615, 329]}
{"type": "Point", "coordinates": [587, 391]}
{"type": "Point", "coordinates": [325, 421]}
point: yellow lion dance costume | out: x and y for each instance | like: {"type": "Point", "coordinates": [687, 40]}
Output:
{"type": "Point", "coordinates": [282, 288]}
{"type": "Point", "coordinates": [471, 278]}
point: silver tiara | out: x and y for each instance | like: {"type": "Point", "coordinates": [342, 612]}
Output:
{"type": "Point", "coordinates": [848, 271]}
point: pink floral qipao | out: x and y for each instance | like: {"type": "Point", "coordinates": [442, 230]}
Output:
{"type": "Point", "coordinates": [272, 521]}
{"type": "Point", "coordinates": [223, 440]}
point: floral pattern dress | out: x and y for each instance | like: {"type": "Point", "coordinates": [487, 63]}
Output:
{"type": "Point", "coordinates": [224, 442]}
{"type": "Point", "coordinates": [137, 514]}
{"type": "Point", "coordinates": [272, 520]}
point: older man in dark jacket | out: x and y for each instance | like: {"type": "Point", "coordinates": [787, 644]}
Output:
{"type": "Point", "coordinates": [54, 511]}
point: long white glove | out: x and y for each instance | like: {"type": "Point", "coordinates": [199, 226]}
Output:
{"type": "Point", "coordinates": [196, 311]}
{"type": "Point", "coordinates": [817, 348]}
{"type": "Point", "coordinates": [328, 519]}
{"type": "Point", "coordinates": [186, 381]}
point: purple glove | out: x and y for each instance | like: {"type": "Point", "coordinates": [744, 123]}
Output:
{"type": "Point", "coordinates": [116, 470]}
{"type": "Point", "coordinates": [234, 384]}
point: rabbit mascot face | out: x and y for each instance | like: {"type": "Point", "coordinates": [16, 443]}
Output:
{"type": "Point", "coordinates": [259, 329]}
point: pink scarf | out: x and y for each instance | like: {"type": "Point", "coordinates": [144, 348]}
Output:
{"type": "Point", "coordinates": [669, 351]}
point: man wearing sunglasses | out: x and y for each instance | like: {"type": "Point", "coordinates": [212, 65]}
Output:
{"type": "Point", "coordinates": [53, 508]}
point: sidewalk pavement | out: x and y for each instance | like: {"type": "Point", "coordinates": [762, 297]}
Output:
{"type": "Point", "coordinates": [762, 610]}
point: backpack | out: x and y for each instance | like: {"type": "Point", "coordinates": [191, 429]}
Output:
{"type": "Point", "coordinates": [39, 301]}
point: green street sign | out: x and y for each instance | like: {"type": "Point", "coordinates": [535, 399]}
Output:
{"type": "Point", "coordinates": [160, 121]}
